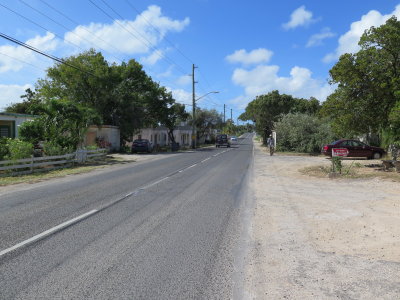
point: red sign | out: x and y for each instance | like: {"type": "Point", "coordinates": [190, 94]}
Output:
{"type": "Point", "coordinates": [339, 152]}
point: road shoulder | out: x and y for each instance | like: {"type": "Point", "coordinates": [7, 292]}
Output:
{"type": "Point", "coordinates": [319, 238]}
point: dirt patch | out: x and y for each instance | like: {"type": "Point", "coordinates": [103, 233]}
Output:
{"type": "Point", "coordinates": [318, 238]}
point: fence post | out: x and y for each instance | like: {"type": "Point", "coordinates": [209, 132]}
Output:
{"type": "Point", "coordinates": [31, 164]}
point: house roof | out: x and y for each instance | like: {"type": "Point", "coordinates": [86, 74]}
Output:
{"type": "Point", "coordinates": [16, 115]}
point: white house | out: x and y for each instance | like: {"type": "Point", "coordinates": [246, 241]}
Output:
{"type": "Point", "coordinates": [10, 122]}
{"type": "Point", "coordinates": [159, 136]}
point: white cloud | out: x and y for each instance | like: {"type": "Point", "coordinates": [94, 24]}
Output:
{"type": "Point", "coordinates": [299, 17]}
{"type": "Point", "coordinates": [14, 58]}
{"type": "Point", "coordinates": [153, 58]}
{"type": "Point", "coordinates": [11, 94]}
{"type": "Point", "coordinates": [138, 38]}
{"type": "Point", "coordinates": [255, 56]}
{"type": "Point", "coordinates": [184, 80]}
{"type": "Point", "coordinates": [264, 78]}
{"type": "Point", "coordinates": [348, 42]}
{"type": "Point", "coordinates": [317, 39]}
{"type": "Point", "coordinates": [181, 95]}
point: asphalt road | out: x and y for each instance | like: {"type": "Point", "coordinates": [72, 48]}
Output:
{"type": "Point", "coordinates": [170, 228]}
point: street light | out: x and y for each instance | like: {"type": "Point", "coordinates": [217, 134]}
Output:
{"type": "Point", "coordinates": [194, 117]}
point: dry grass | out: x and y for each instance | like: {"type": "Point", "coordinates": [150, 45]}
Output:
{"type": "Point", "coordinates": [354, 170]}
{"type": "Point", "coordinates": [78, 169]}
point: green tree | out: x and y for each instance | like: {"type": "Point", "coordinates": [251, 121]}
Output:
{"type": "Point", "coordinates": [172, 116]}
{"type": "Point", "coordinates": [61, 122]}
{"type": "Point", "coordinates": [266, 109]}
{"type": "Point", "coordinates": [122, 95]}
{"type": "Point", "coordinates": [206, 120]}
{"type": "Point", "coordinates": [29, 105]}
{"type": "Point", "coordinates": [368, 83]}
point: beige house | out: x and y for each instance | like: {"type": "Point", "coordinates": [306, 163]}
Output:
{"type": "Point", "coordinates": [10, 122]}
{"type": "Point", "coordinates": [159, 136]}
{"type": "Point", "coordinates": [106, 136]}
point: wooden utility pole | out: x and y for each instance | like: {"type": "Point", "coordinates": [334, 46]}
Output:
{"type": "Point", "coordinates": [194, 109]}
{"type": "Point", "coordinates": [224, 113]}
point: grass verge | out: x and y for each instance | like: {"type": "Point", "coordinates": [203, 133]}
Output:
{"type": "Point", "coordinates": [77, 169]}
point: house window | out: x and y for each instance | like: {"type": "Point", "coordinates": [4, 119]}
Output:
{"type": "Point", "coordinates": [5, 131]}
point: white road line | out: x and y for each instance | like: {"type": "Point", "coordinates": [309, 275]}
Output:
{"type": "Point", "coordinates": [154, 183]}
{"type": "Point", "coordinates": [204, 160]}
{"type": "Point", "coordinates": [48, 232]}
{"type": "Point", "coordinates": [191, 166]}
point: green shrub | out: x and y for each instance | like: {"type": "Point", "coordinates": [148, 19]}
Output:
{"type": "Point", "coordinates": [302, 133]}
{"type": "Point", "coordinates": [4, 151]}
{"type": "Point", "coordinates": [337, 164]}
{"type": "Point", "coordinates": [53, 149]}
{"type": "Point", "coordinates": [91, 147]}
{"type": "Point", "coordinates": [18, 149]}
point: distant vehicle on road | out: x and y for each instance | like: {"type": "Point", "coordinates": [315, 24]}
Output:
{"type": "Point", "coordinates": [355, 148]}
{"type": "Point", "coordinates": [222, 140]}
{"type": "Point", "coordinates": [234, 138]}
{"type": "Point", "coordinates": [141, 145]}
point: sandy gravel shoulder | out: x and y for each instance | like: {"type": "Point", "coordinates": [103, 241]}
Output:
{"type": "Point", "coordinates": [320, 238]}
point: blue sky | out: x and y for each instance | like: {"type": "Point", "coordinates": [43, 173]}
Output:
{"type": "Point", "coordinates": [242, 49]}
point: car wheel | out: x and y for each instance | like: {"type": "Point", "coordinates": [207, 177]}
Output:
{"type": "Point", "coordinates": [376, 155]}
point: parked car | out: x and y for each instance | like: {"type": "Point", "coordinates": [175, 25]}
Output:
{"type": "Point", "coordinates": [142, 145]}
{"type": "Point", "coordinates": [233, 138]}
{"type": "Point", "coordinates": [355, 148]}
{"type": "Point", "coordinates": [222, 140]}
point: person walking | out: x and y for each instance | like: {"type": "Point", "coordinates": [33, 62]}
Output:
{"type": "Point", "coordinates": [271, 144]}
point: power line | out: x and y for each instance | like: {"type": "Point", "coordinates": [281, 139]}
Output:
{"type": "Point", "coordinates": [155, 28]}
{"type": "Point", "coordinates": [23, 61]}
{"type": "Point", "coordinates": [84, 28]}
{"type": "Point", "coordinates": [61, 25]}
{"type": "Point", "coordinates": [37, 24]}
{"type": "Point", "coordinates": [59, 60]}
{"type": "Point", "coordinates": [147, 43]}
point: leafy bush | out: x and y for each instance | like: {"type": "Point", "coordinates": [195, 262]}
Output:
{"type": "Point", "coordinates": [337, 164]}
{"type": "Point", "coordinates": [4, 151]}
{"type": "Point", "coordinates": [302, 133]}
{"type": "Point", "coordinates": [32, 131]}
{"type": "Point", "coordinates": [53, 149]}
{"type": "Point", "coordinates": [18, 149]}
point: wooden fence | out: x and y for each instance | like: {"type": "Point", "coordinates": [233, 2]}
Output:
{"type": "Point", "coordinates": [47, 163]}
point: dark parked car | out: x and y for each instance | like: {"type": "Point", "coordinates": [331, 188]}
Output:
{"type": "Point", "coordinates": [222, 140]}
{"type": "Point", "coordinates": [141, 145]}
{"type": "Point", "coordinates": [355, 148]}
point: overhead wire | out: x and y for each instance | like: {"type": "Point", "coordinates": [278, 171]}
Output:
{"type": "Point", "coordinates": [55, 58]}
{"type": "Point", "coordinates": [62, 25]}
{"type": "Point", "coordinates": [37, 24]}
{"type": "Point", "coordinates": [155, 28]}
{"type": "Point", "coordinates": [23, 61]}
{"type": "Point", "coordinates": [82, 27]}
{"type": "Point", "coordinates": [146, 43]}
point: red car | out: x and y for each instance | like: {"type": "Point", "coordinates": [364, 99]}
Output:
{"type": "Point", "coordinates": [355, 148]}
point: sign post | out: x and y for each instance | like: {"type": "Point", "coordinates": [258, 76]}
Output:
{"type": "Point", "coordinates": [337, 154]}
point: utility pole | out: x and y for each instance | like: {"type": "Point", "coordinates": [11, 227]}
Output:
{"type": "Point", "coordinates": [224, 113]}
{"type": "Point", "coordinates": [194, 109]}
{"type": "Point", "coordinates": [231, 116]}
